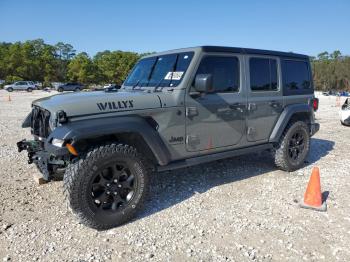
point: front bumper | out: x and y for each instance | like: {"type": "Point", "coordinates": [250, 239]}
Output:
{"type": "Point", "coordinates": [44, 155]}
{"type": "Point", "coordinates": [314, 128]}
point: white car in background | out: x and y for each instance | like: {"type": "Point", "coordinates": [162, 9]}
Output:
{"type": "Point", "coordinates": [345, 113]}
{"type": "Point", "coordinates": [21, 85]}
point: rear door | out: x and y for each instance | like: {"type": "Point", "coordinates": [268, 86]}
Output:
{"type": "Point", "coordinates": [265, 100]}
{"type": "Point", "coordinates": [217, 119]}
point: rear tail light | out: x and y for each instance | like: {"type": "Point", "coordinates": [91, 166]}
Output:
{"type": "Point", "coordinates": [314, 103]}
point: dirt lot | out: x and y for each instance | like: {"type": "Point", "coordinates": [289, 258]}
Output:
{"type": "Point", "coordinates": [238, 209]}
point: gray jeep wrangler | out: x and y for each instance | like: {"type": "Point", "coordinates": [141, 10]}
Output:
{"type": "Point", "coordinates": [175, 109]}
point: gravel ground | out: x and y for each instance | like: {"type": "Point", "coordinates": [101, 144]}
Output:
{"type": "Point", "coordinates": [239, 209]}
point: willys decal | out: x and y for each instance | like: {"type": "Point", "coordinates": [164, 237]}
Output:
{"type": "Point", "coordinates": [124, 104]}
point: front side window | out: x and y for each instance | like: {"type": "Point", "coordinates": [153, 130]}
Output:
{"type": "Point", "coordinates": [224, 71]}
{"type": "Point", "coordinates": [296, 75]}
{"type": "Point", "coordinates": [263, 74]}
{"type": "Point", "coordinates": [161, 71]}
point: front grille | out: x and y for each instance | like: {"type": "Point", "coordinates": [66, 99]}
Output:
{"type": "Point", "coordinates": [40, 122]}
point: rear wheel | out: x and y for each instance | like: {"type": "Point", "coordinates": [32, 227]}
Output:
{"type": "Point", "coordinates": [29, 89]}
{"type": "Point", "coordinates": [60, 89]}
{"type": "Point", "coordinates": [107, 186]}
{"type": "Point", "coordinates": [293, 148]}
{"type": "Point", "coordinates": [77, 89]}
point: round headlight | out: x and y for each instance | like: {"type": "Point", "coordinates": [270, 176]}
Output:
{"type": "Point", "coordinates": [57, 142]}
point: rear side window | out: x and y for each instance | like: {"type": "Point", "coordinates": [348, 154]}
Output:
{"type": "Point", "coordinates": [224, 70]}
{"type": "Point", "coordinates": [263, 74]}
{"type": "Point", "coordinates": [296, 77]}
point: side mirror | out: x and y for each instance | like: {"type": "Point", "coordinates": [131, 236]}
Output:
{"type": "Point", "coordinates": [204, 83]}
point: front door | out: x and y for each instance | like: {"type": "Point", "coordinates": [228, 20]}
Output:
{"type": "Point", "coordinates": [265, 100]}
{"type": "Point", "coordinates": [217, 119]}
{"type": "Point", "coordinates": [20, 85]}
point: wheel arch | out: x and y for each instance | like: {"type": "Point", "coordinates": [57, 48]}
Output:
{"type": "Point", "coordinates": [294, 112]}
{"type": "Point", "coordinates": [137, 131]}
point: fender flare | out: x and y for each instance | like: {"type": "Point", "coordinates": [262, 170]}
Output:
{"type": "Point", "coordinates": [93, 128]}
{"type": "Point", "coordinates": [284, 118]}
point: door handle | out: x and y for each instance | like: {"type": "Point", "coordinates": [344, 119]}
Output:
{"type": "Point", "coordinates": [252, 106]}
{"type": "Point", "coordinates": [237, 106]}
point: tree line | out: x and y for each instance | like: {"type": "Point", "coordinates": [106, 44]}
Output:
{"type": "Point", "coordinates": [38, 61]}
{"type": "Point", "coordinates": [331, 71]}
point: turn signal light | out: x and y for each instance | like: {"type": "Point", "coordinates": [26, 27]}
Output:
{"type": "Point", "coordinates": [71, 149]}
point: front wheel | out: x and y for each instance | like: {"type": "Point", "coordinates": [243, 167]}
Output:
{"type": "Point", "coordinates": [29, 89]}
{"type": "Point", "coordinates": [60, 89]}
{"type": "Point", "coordinates": [107, 186]}
{"type": "Point", "coordinates": [293, 148]}
{"type": "Point", "coordinates": [10, 89]}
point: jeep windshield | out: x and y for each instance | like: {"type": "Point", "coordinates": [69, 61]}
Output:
{"type": "Point", "coordinates": [159, 71]}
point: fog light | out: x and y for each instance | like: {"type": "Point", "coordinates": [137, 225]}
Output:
{"type": "Point", "coordinates": [57, 142]}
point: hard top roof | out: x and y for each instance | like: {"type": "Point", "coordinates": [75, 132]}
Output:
{"type": "Point", "coordinates": [250, 51]}
{"type": "Point", "coordinates": [226, 49]}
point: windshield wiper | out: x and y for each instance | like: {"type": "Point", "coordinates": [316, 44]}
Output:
{"type": "Point", "coordinates": [135, 85]}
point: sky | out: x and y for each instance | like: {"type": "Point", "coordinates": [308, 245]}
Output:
{"type": "Point", "coordinates": [301, 26]}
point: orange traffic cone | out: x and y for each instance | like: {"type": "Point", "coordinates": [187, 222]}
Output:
{"type": "Point", "coordinates": [313, 195]}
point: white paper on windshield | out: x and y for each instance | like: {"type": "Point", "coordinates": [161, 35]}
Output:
{"type": "Point", "coordinates": [174, 75]}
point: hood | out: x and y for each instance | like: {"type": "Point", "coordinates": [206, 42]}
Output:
{"type": "Point", "coordinates": [97, 102]}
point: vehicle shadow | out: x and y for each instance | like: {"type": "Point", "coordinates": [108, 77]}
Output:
{"type": "Point", "coordinates": [172, 187]}
{"type": "Point", "coordinates": [319, 148]}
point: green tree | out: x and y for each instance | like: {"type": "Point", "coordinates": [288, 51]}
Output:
{"type": "Point", "coordinates": [82, 69]}
{"type": "Point", "coordinates": [115, 66]}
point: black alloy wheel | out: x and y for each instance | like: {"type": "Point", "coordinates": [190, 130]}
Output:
{"type": "Point", "coordinates": [296, 145]}
{"type": "Point", "coordinates": [113, 188]}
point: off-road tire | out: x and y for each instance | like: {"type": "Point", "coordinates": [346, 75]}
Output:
{"type": "Point", "coordinates": [80, 174]}
{"type": "Point", "coordinates": [281, 153]}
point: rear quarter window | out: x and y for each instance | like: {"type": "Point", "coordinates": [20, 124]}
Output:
{"type": "Point", "coordinates": [297, 79]}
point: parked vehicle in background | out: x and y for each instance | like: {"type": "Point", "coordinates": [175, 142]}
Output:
{"type": "Point", "coordinates": [21, 85]}
{"type": "Point", "coordinates": [76, 87]}
{"type": "Point", "coordinates": [345, 113]}
{"type": "Point", "coordinates": [111, 87]}
{"type": "Point", "coordinates": [2, 81]}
